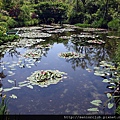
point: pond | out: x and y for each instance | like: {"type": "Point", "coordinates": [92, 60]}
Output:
{"type": "Point", "coordinates": [38, 49]}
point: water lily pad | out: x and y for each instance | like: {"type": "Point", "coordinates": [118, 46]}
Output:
{"type": "Point", "coordinates": [16, 88]}
{"type": "Point", "coordinates": [1, 89]}
{"type": "Point", "coordinates": [106, 80]}
{"type": "Point", "coordinates": [110, 105]}
{"type": "Point", "coordinates": [93, 109]}
{"type": "Point", "coordinates": [11, 81]}
{"type": "Point", "coordinates": [22, 85]}
{"type": "Point", "coordinates": [96, 102]}
{"type": "Point", "coordinates": [23, 82]}
{"type": "Point", "coordinates": [30, 86]}
{"type": "Point", "coordinates": [13, 96]}
{"type": "Point", "coordinates": [11, 73]}
{"type": "Point", "coordinates": [7, 89]}
{"type": "Point", "coordinates": [99, 73]}
{"type": "Point", "coordinates": [109, 95]}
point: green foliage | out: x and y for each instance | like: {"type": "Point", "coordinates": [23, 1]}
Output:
{"type": "Point", "coordinates": [3, 17]}
{"type": "Point", "coordinates": [7, 38]}
{"type": "Point", "coordinates": [51, 11]}
{"type": "Point", "coordinates": [3, 107]}
{"type": "Point", "coordinates": [117, 111]}
{"type": "Point", "coordinates": [76, 14]}
{"type": "Point", "coordinates": [11, 22]}
{"type": "Point", "coordinates": [117, 55]}
{"type": "Point", "coordinates": [24, 13]}
{"type": "Point", "coordinates": [3, 24]}
{"type": "Point", "coordinates": [76, 18]}
{"type": "Point", "coordinates": [83, 25]}
{"type": "Point", "coordinates": [114, 24]}
{"type": "Point", "coordinates": [31, 22]}
{"type": "Point", "coordinates": [101, 23]}
{"type": "Point", "coordinates": [96, 102]}
{"type": "Point", "coordinates": [2, 29]}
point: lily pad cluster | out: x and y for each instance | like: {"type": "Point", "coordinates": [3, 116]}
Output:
{"type": "Point", "coordinates": [32, 53]}
{"type": "Point", "coordinates": [113, 37]}
{"type": "Point", "coordinates": [69, 55]}
{"type": "Point", "coordinates": [87, 38]}
{"type": "Point", "coordinates": [28, 42]}
{"type": "Point", "coordinates": [84, 36]}
{"type": "Point", "coordinates": [43, 78]}
{"type": "Point", "coordinates": [93, 29]}
{"type": "Point", "coordinates": [60, 30]}
{"type": "Point", "coordinates": [105, 69]}
{"type": "Point", "coordinates": [108, 70]}
{"type": "Point", "coordinates": [96, 41]}
{"type": "Point", "coordinates": [65, 37]}
{"type": "Point", "coordinates": [33, 34]}
{"type": "Point", "coordinates": [28, 28]}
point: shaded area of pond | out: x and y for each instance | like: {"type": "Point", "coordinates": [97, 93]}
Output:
{"type": "Point", "coordinates": [72, 95]}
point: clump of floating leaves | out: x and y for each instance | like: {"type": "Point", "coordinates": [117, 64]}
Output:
{"type": "Point", "coordinates": [110, 72]}
{"type": "Point", "coordinates": [96, 41]}
{"type": "Point", "coordinates": [44, 78]}
{"type": "Point", "coordinates": [105, 69]}
{"type": "Point", "coordinates": [33, 54]}
{"type": "Point", "coordinates": [69, 55]}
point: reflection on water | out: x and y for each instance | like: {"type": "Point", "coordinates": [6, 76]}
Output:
{"type": "Point", "coordinates": [71, 95]}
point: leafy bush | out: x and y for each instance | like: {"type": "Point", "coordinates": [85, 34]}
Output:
{"type": "Point", "coordinates": [101, 23]}
{"type": "Point", "coordinates": [76, 18]}
{"type": "Point", "coordinates": [2, 30]}
{"type": "Point", "coordinates": [11, 22]}
{"type": "Point", "coordinates": [114, 24]}
{"type": "Point", "coordinates": [3, 18]}
{"type": "Point", "coordinates": [48, 11]}
{"type": "Point", "coordinates": [24, 13]}
{"type": "Point", "coordinates": [7, 38]}
{"type": "Point", "coordinates": [3, 24]}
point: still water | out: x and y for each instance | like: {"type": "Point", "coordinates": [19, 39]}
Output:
{"type": "Point", "coordinates": [72, 95]}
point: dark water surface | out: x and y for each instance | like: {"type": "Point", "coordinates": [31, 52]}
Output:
{"type": "Point", "coordinates": [72, 95]}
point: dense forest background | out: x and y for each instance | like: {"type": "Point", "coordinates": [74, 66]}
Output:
{"type": "Point", "coordinates": [86, 13]}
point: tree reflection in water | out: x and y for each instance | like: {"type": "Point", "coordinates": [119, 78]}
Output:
{"type": "Point", "coordinates": [93, 53]}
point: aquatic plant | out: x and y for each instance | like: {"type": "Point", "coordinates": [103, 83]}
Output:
{"type": "Point", "coordinates": [34, 34]}
{"type": "Point", "coordinates": [111, 73]}
{"type": "Point", "coordinates": [33, 54]}
{"type": "Point", "coordinates": [3, 107]}
{"type": "Point", "coordinates": [43, 78]}
{"type": "Point", "coordinates": [69, 55]}
{"type": "Point", "coordinates": [65, 37]}
{"type": "Point", "coordinates": [95, 41]}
